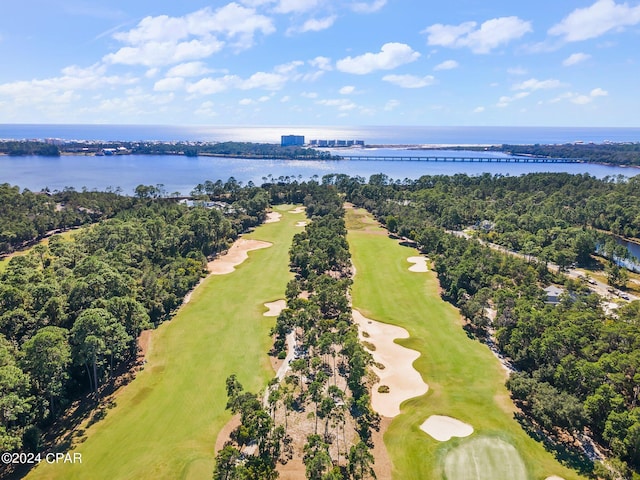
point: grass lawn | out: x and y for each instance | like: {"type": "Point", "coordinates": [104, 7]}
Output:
{"type": "Point", "coordinates": [166, 421]}
{"type": "Point", "coordinates": [465, 380]}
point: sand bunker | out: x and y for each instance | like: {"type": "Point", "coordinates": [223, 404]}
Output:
{"type": "Point", "coordinates": [301, 224]}
{"type": "Point", "coordinates": [443, 428]}
{"type": "Point", "coordinates": [403, 380]}
{"type": "Point", "coordinates": [274, 308]}
{"type": "Point", "coordinates": [419, 264]}
{"type": "Point", "coordinates": [298, 210]}
{"type": "Point", "coordinates": [235, 256]}
{"type": "Point", "coordinates": [554, 477]}
{"type": "Point", "coordinates": [273, 217]}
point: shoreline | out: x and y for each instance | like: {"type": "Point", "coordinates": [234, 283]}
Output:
{"type": "Point", "coordinates": [336, 158]}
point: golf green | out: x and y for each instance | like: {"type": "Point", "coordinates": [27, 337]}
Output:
{"type": "Point", "coordinates": [465, 379]}
{"type": "Point", "coordinates": [165, 422]}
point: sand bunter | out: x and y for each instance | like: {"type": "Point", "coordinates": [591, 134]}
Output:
{"type": "Point", "coordinates": [398, 375]}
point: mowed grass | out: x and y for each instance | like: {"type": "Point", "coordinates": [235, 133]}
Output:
{"type": "Point", "coordinates": [484, 458]}
{"type": "Point", "coordinates": [465, 380]}
{"type": "Point", "coordinates": [166, 421]}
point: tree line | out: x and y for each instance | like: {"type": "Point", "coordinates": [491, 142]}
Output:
{"type": "Point", "coordinates": [326, 386]}
{"type": "Point", "coordinates": [189, 149]}
{"type": "Point", "coordinates": [607, 153]}
{"type": "Point", "coordinates": [71, 311]}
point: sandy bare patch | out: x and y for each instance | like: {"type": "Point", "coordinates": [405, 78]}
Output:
{"type": "Point", "coordinates": [301, 224]}
{"type": "Point", "coordinates": [419, 264]}
{"type": "Point", "coordinates": [274, 308]}
{"type": "Point", "coordinates": [144, 344]}
{"type": "Point", "coordinates": [235, 256]}
{"type": "Point", "coordinates": [554, 477]}
{"type": "Point", "coordinates": [403, 380]}
{"type": "Point", "coordinates": [298, 210]}
{"type": "Point", "coordinates": [443, 428]}
{"type": "Point", "coordinates": [273, 217]}
{"type": "Point", "coordinates": [225, 434]}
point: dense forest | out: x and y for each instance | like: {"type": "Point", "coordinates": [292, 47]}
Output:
{"type": "Point", "coordinates": [26, 217]}
{"type": "Point", "coordinates": [327, 381]}
{"type": "Point", "coordinates": [577, 366]}
{"type": "Point", "coordinates": [71, 310]}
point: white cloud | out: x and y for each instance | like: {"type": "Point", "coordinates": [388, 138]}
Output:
{"type": "Point", "coordinates": [517, 71]}
{"type": "Point", "coordinates": [391, 55]}
{"type": "Point", "coordinates": [581, 99]}
{"type": "Point", "coordinates": [268, 81]}
{"type": "Point", "coordinates": [164, 53]}
{"type": "Point", "coordinates": [391, 105]}
{"type": "Point", "coordinates": [491, 34]}
{"type": "Point", "coordinates": [342, 104]}
{"type": "Point", "coordinates": [347, 90]}
{"type": "Point", "coordinates": [534, 84]}
{"type": "Point", "coordinates": [504, 101]}
{"type": "Point", "coordinates": [73, 79]}
{"type": "Point", "coordinates": [409, 81]}
{"type": "Point", "coordinates": [315, 25]}
{"type": "Point", "coordinates": [163, 40]}
{"type": "Point", "coordinates": [575, 58]}
{"type": "Point", "coordinates": [309, 94]}
{"type": "Point", "coordinates": [169, 84]}
{"type": "Point", "coordinates": [189, 69]}
{"type": "Point", "coordinates": [446, 65]}
{"type": "Point", "coordinates": [288, 68]}
{"type": "Point", "coordinates": [211, 86]}
{"type": "Point", "coordinates": [596, 20]}
{"type": "Point", "coordinates": [295, 6]}
{"type": "Point", "coordinates": [206, 109]}
{"type": "Point", "coordinates": [245, 101]}
{"type": "Point", "coordinates": [152, 72]}
{"type": "Point", "coordinates": [478, 110]}
{"type": "Point", "coordinates": [323, 63]}
{"type": "Point", "coordinates": [363, 7]}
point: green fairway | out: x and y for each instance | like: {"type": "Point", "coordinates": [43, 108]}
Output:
{"type": "Point", "coordinates": [166, 421]}
{"type": "Point", "coordinates": [465, 380]}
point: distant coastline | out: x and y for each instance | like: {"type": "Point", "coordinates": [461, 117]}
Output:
{"type": "Point", "coordinates": [377, 134]}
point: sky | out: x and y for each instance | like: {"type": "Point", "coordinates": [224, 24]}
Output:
{"type": "Point", "coordinates": [321, 62]}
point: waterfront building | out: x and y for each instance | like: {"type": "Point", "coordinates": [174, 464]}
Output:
{"type": "Point", "coordinates": [292, 140]}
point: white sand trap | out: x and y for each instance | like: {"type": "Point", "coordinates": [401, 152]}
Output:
{"type": "Point", "coordinates": [298, 210]}
{"type": "Point", "coordinates": [235, 256]}
{"type": "Point", "coordinates": [301, 224]}
{"type": "Point", "coordinates": [443, 428]}
{"type": "Point", "coordinates": [273, 217]}
{"type": "Point", "coordinates": [274, 308]}
{"type": "Point", "coordinates": [554, 477]}
{"type": "Point", "coordinates": [419, 264]}
{"type": "Point", "coordinates": [403, 380]}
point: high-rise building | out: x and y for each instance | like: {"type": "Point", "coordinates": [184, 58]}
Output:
{"type": "Point", "coordinates": [292, 140]}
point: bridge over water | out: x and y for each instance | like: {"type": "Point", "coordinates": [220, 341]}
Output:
{"type": "Point", "coordinates": [414, 158]}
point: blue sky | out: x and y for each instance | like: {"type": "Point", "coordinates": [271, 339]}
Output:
{"type": "Point", "coordinates": [321, 62]}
